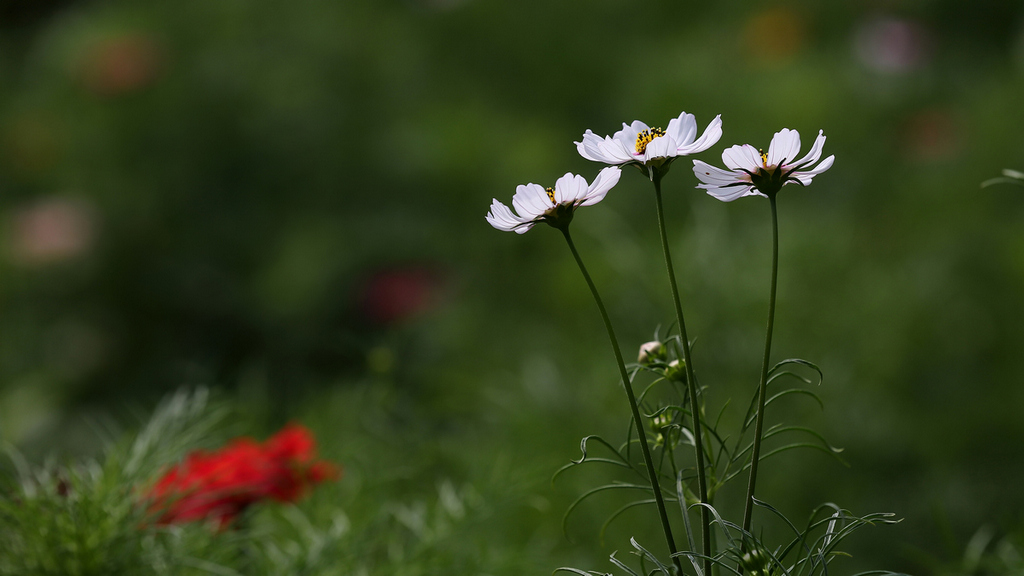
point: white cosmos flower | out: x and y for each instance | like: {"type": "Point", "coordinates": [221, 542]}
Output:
{"type": "Point", "coordinates": [639, 144]}
{"type": "Point", "coordinates": [756, 172]}
{"type": "Point", "coordinates": [554, 206]}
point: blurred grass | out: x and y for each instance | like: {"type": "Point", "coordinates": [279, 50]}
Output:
{"type": "Point", "coordinates": [211, 194]}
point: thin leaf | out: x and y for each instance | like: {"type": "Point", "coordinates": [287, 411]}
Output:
{"type": "Point", "coordinates": [799, 362]}
{"type": "Point", "coordinates": [619, 563]}
{"type": "Point", "coordinates": [579, 572]}
{"type": "Point", "coordinates": [664, 569]}
{"type": "Point", "coordinates": [591, 492]}
{"type": "Point", "coordinates": [618, 512]}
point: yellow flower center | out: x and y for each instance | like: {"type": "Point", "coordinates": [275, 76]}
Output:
{"type": "Point", "coordinates": [551, 194]}
{"type": "Point", "coordinates": [764, 157]}
{"type": "Point", "coordinates": [644, 138]}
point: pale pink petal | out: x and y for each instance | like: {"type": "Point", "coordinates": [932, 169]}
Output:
{"type": "Point", "coordinates": [522, 229]}
{"type": "Point", "coordinates": [683, 129]}
{"type": "Point", "coordinates": [708, 139]}
{"type": "Point", "coordinates": [743, 157]}
{"type": "Point", "coordinates": [606, 180]}
{"type": "Point", "coordinates": [814, 153]}
{"type": "Point", "coordinates": [502, 218]}
{"type": "Point", "coordinates": [784, 147]}
{"type": "Point", "coordinates": [569, 187]}
{"type": "Point", "coordinates": [709, 174]}
{"type": "Point", "coordinates": [614, 149]}
{"type": "Point", "coordinates": [627, 136]}
{"type": "Point", "coordinates": [660, 147]}
{"type": "Point", "coordinates": [731, 193]}
{"type": "Point", "coordinates": [805, 176]}
{"type": "Point", "coordinates": [531, 201]}
{"type": "Point", "coordinates": [606, 150]}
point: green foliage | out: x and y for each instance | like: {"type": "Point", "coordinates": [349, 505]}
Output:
{"type": "Point", "coordinates": [806, 552]}
{"type": "Point", "coordinates": [242, 194]}
{"type": "Point", "coordinates": [1008, 177]}
{"type": "Point", "coordinates": [88, 518]}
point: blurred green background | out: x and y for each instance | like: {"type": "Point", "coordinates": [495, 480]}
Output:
{"type": "Point", "coordinates": [285, 201]}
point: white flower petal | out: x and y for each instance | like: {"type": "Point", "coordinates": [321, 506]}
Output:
{"type": "Point", "coordinates": [637, 127]}
{"type": "Point", "coordinates": [683, 129]}
{"type": "Point", "coordinates": [731, 193]}
{"type": "Point", "coordinates": [612, 148]}
{"type": "Point", "coordinates": [708, 139]}
{"type": "Point", "coordinates": [805, 176]}
{"type": "Point", "coordinates": [531, 201]}
{"type": "Point", "coordinates": [606, 180]}
{"type": "Point", "coordinates": [589, 147]}
{"type": "Point", "coordinates": [784, 147]}
{"type": "Point", "coordinates": [660, 147]}
{"type": "Point", "coordinates": [606, 150]}
{"type": "Point", "coordinates": [713, 175]}
{"type": "Point", "coordinates": [502, 218]}
{"type": "Point", "coordinates": [743, 157]}
{"type": "Point", "coordinates": [814, 153]}
{"type": "Point", "coordinates": [569, 188]}
{"type": "Point", "coordinates": [627, 136]}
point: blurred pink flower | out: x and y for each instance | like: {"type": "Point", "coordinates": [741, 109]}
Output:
{"type": "Point", "coordinates": [52, 230]}
{"type": "Point", "coordinates": [891, 45]}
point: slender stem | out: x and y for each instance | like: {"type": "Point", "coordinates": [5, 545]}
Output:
{"type": "Point", "coordinates": [652, 472]}
{"type": "Point", "coordinates": [691, 385]}
{"type": "Point", "coordinates": [763, 386]}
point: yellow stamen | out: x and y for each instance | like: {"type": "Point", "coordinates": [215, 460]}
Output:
{"type": "Point", "coordinates": [551, 194]}
{"type": "Point", "coordinates": [764, 157]}
{"type": "Point", "coordinates": [644, 138]}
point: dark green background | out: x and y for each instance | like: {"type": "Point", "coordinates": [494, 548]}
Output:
{"type": "Point", "coordinates": [239, 177]}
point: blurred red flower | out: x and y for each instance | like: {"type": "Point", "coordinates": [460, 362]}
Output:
{"type": "Point", "coordinates": [400, 294]}
{"type": "Point", "coordinates": [219, 485]}
{"type": "Point", "coordinates": [121, 64]}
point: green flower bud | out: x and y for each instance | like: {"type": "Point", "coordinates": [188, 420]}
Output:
{"type": "Point", "coordinates": [651, 352]}
{"type": "Point", "coordinates": [756, 563]}
{"type": "Point", "coordinates": [661, 426]}
{"type": "Point", "coordinates": [676, 371]}
{"type": "Point", "coordinates": [660, 422]}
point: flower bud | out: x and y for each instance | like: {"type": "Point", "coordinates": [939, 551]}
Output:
{"type": "Point", "coordinates": [676, 371]}
{"type": "Point", "coordinates": [664, 433]}
{"type": "Point", "coordinates": [651, 352]}
{"type": "Point", "coordinates": [660, 422]}
{"type": "Point", "coordinates": [755, 563]}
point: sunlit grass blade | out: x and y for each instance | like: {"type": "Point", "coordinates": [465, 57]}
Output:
{"type": "Point", "coordinates": [622, 565]}
{"type": "Point", "coordinates": [579, 572]}
{"type": "Point", "coordinates": [644, 553]}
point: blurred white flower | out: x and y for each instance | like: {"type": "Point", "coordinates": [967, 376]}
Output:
{"type": "Point", "coordinates": [756, 172]}
{"type": "Point", "coordinates": [641, 145]}
{"type": "Point", "coordinates": [554, 206]}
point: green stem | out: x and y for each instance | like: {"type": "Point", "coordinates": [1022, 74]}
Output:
{"type": "Point", "coordinates": [763, 386]}
{"type": "Point", "coordinates": [691, 385]}
{"type": "Point", "coordinates": [652, 473]}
